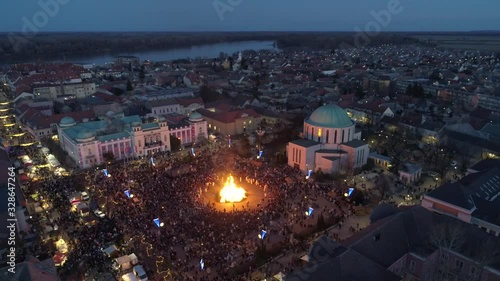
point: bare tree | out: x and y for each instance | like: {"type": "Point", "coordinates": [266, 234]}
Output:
{"type": "Point", "coordinates": [446, 237]}
{"type": "Point", "coordinates": [486, 253]}
{"type": "Point", "coordinates": [382, 186]}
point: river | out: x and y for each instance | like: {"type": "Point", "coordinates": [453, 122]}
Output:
{"type": "Point", "coordinates": [204, 51]}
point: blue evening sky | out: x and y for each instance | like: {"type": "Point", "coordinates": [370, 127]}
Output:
{"type": "Point", "coordinates": [249, 15]}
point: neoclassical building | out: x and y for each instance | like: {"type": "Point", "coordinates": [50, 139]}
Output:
{"type": "Point", "coordinates": [330, 143]}
{"type": "Point", "coordinates": [87, 142]}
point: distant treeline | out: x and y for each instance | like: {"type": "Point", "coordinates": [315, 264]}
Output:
{"type": "Point", "coordinates": [339, 41]}
{"type": "Point", "coordinates": [57, 44]}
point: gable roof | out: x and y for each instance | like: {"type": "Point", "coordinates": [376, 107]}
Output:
{"type": "Point", "coordinates": [31, 270]}
{"type": "Point", "coordinates": [330, 261]}
{"type": "Point", "coordinates": [229, 116]}
{"type": "Point", "coordinates": [483, 185]}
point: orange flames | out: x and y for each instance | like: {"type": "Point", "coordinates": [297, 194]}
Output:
{"type": "Point", "coordinates": [231, 193]}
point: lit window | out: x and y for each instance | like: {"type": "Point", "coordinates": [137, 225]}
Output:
{"type": "Point", "coordinates": [319, 132]}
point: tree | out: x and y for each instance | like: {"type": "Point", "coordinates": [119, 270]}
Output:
{"type": "Point", "coordinates": [435, 76]}
{"type": "Point", "coordinates": [245, 146]}
{"type": "Point", "coordinates": [142, 74]}
{"type": "Point", "coordinates": [382, 186]}
{"type": "Point", "coordinates": [257, 80]}
{"type": "Point", "coordinates": [208, 95]}
{"type": "Point", "coordinates": [446, 237]}
{"type": "Point", "coordinates": [485, 254]}
{"type": "Point", "coordinates": [108, 157]}
{"type": "Point", "coordinates": [321, 224]}
{"type": "Point", "coordinates": [409, 90]}
{"type": "Point", "coordinates": [359, 93]}
{"type": "Point", "coordinates": [175, 143]}
{"type": "Point", "coordinates": [129, 86]}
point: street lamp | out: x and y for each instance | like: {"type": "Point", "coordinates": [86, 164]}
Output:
{"type": "Point", "coordinates": [260, 133]}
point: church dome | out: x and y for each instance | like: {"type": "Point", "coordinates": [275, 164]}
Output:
{"type": "Point", "coordinates": [195, 117]}
{"type": "Point", "coordinates": [67, 121]}
{"type": "Point", "coordinates": [331, 116]}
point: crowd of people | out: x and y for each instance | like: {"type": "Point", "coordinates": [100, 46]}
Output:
{"type": "Point", "coordinates": [191, 230]}
{"type": "Point", "coordinates": [195, 230]}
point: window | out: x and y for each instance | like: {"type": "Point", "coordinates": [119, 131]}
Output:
{"type": "Point", "coordinates": [444, 258]}
{"type": "Point", "coordinates": [459, 265]}
{"type": "Point", "coordinates": [473, 271]}
{"type": "Point", "coordinates": [413, 264]}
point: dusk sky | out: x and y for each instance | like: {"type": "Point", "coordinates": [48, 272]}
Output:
{"type": "Point", "coordinates": [251, 15]}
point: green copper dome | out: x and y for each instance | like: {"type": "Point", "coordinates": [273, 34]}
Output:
{"type": "Point", "coordinates": [331, 116]}
{"type": "Point", "coordinates": [67, 121]}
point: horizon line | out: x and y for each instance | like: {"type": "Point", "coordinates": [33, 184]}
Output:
{"type": "Point", "coordinates": [256, 31]}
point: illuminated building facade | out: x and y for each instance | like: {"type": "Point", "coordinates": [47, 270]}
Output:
{"type": "Point", "coordinates": [330, 144]}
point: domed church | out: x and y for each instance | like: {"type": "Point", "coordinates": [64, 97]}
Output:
{"type": "Point", "coordinates": [331, 143]}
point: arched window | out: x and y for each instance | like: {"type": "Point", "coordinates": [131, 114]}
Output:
{"type": "Point", "coordinates": [327, 136]}
{"type": "Point", "coordinates": [349, 135]}
{"type": "Point", "coordinates": [342, 140]}
{"type": "Point", "coordinates": [335, 137]}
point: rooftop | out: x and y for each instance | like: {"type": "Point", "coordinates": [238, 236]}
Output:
{"type": "Point", "coordinates": [304, 143]}
{"type": "Point", "coordinates": [331, 116]}
{"type": "Point", "coordinates": [354, 143]}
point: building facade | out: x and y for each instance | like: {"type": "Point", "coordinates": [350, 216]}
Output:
{"type": "Point", "coordinates": [474, 199]}
{"type": "Point", "coordinates": [188, 130]}
{"type": "Point", "coordinates": [330, 144]}
{"type": "Point", "coordinates": [52, 91]}
{"type": "Point", "coordinates": [87, 143]}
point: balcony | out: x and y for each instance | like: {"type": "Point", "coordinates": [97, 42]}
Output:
{"type": "Point", "coordinates": [153, 144]}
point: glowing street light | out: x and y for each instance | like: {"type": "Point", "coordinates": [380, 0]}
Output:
{"type": "Point", "coordinates": [349, 192]}
{"type": "Point", "coordinates": [309, 212]}
{"type": "Point", "coordinates": [202, 264]}
{"type": "Point", "coordinates": [129, 195]}
{"type": "Point", "coordinates": [152, 160]}
{"type": "Point", "coordinates": [105, 171]}
{"type": "Point", "coordinates": [262, 234]}
{"type": "Point", "coordinates": [158, 223]}
{"type": "Point", "coordinates": [192, 151]}
{"type": "Point", "coordinates": [260, 155]}
{"type": "Point", "coordinates": [309, 174]}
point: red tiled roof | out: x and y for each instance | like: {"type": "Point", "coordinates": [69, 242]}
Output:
{"type": "Point", "coordinates": [23, 88]}
{"type": "Point", "coordinates": [107, 97]}
{"type": "Point", "coordinates": [229, 116]}
{"type": "Point", "coordinates": [41, 121]}
{"type": "Point", "coordinates": [175, 118]}
{"type": "Point", "coordinates": [188, 102]}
